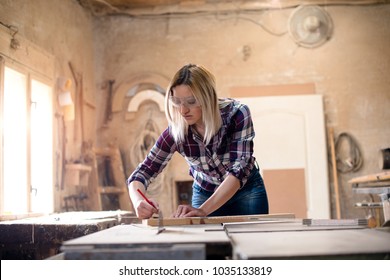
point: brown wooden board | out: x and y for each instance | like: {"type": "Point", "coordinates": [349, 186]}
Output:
{"type": "Point", "coordinates": [286, 191]}
{"type": "Point", "coordinates": [378, 177]}
{"type": "Point", "coordinates": [215, 220]}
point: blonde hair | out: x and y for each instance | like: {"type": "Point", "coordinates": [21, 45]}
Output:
{"type": "Point", "coordinates": [202, 84]}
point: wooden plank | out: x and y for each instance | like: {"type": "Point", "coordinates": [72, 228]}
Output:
{"type": "Point", "coordinates": [12, 217]}
{"type": "Point", "coordinates": [378, 177]}
{"type": "Point", "coordinates": [77, 174]}
{"type": "Point", "coordinates": [215, 220]}
{"type": "Point", "coordinates": [334, 172]}
{"type": "Point", "coordinates": [111, 190]}
{"type": "Point", "coordinates": [78, 167]}
{"type": "Point", "coordinates": [286, 190]}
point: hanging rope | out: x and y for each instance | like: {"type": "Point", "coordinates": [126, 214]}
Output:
{"type": "Point", "coordinates": [348, 155]}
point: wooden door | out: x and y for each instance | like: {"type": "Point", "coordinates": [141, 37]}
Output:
{"type": "Point", "coordinates": [290, 147]}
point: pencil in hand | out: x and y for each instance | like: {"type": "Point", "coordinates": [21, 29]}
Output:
{"type": "Point", "coordinates": [146, 199]}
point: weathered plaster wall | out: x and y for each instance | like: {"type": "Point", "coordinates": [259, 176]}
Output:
{"type": "Point", "coordinates": [350, 71]}
{"type": "Point", "coordinates": [63, 29]}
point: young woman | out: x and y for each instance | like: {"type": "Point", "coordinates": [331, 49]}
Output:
{"type": "Point", "coordinates": [215, 136]}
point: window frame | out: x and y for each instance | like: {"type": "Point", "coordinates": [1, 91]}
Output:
{"type": "Point", "coordinates": [37, 65]}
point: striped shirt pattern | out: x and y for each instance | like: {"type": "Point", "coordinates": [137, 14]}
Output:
{"type": "Point", "coordinates": [230, 151]}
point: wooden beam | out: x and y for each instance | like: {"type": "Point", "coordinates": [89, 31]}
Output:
{"type": "Point", "coordinates": [182, 8]}
{"type": "Point", "coordinates": [334, 169]}
{"type": "Point", "coordinates": [377, 177]}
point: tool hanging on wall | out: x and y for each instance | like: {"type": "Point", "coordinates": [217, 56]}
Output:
{"type": "Point", "coordinates": [78, 104]}
{"type": "Point", "coordinates": [348, 155]}
{"type": "Point", "coordinates": [108, 115]}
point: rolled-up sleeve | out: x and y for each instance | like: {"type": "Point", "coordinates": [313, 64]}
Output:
{"type": "Point", "coordinates": [155, 161]}
{"type": "Point", "coordinates": [241, 146]}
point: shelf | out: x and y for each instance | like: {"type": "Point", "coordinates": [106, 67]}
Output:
{"type": "Point", "coordinates": [372, 178]}
{"type": "Point", "coordinates": [77, 174]}
{"type": "Point", "coordinates": [368, 190]}
{"type": "Point", "coordinates": [78, 167]}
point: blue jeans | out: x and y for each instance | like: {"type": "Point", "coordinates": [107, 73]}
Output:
{"type": "Point", "coordinates": [250, 200]}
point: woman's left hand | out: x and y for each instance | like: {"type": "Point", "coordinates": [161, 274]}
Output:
{"type": "Point", "coordinates": [188, 211]}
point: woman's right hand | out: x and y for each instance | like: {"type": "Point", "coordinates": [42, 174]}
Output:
{"type": "Point", "coordinates": [144, 210]}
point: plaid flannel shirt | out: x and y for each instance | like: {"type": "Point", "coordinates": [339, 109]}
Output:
{"type": "Point", "coordinates": [230, 151]}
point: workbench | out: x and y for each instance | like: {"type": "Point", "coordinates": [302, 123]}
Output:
{"type": "Point", "coordinates": [293, 240]}
{"type": "Point", "coordinates": [41, 237]}
{"type": "Point", "coordinates": [138, 241]}
{"type": "Point", "coordinates": [374, 185]}
{"type": "Point", "coordinates": [277, 238]}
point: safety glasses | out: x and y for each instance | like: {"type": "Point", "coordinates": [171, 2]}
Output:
{"type": "Point", "coordinates": [188, 102]}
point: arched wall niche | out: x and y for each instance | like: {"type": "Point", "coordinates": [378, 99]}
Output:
{"type": "Point", "coordinates": [144, 96]}
{"type": "Point", "coordinates": [141, 100]}
{"type": "Point", "coordinates": [143, 78]}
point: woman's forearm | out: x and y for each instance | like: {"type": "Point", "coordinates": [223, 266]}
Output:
{"type": "Point", "coordinates": [135, 197]}
{"type": "Point", "coordinates": [223, 193]}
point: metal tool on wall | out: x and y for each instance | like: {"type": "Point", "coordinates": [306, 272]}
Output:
{"type": "Point", "coordinates": [108, 113]}
{"type": "Point", "coordinates": [79, 116]}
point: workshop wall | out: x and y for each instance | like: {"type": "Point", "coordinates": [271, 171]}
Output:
{"type": "Point", "coordinates": [350, 71]}
{"type": "Point", "coordinates": [63, 29]}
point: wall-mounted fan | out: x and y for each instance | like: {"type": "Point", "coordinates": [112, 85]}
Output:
{"type": "Point", "coordinates": [310, 26]}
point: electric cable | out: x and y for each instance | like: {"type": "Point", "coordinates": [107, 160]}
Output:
{"type": "Point", "coordinates": [348, 154]}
